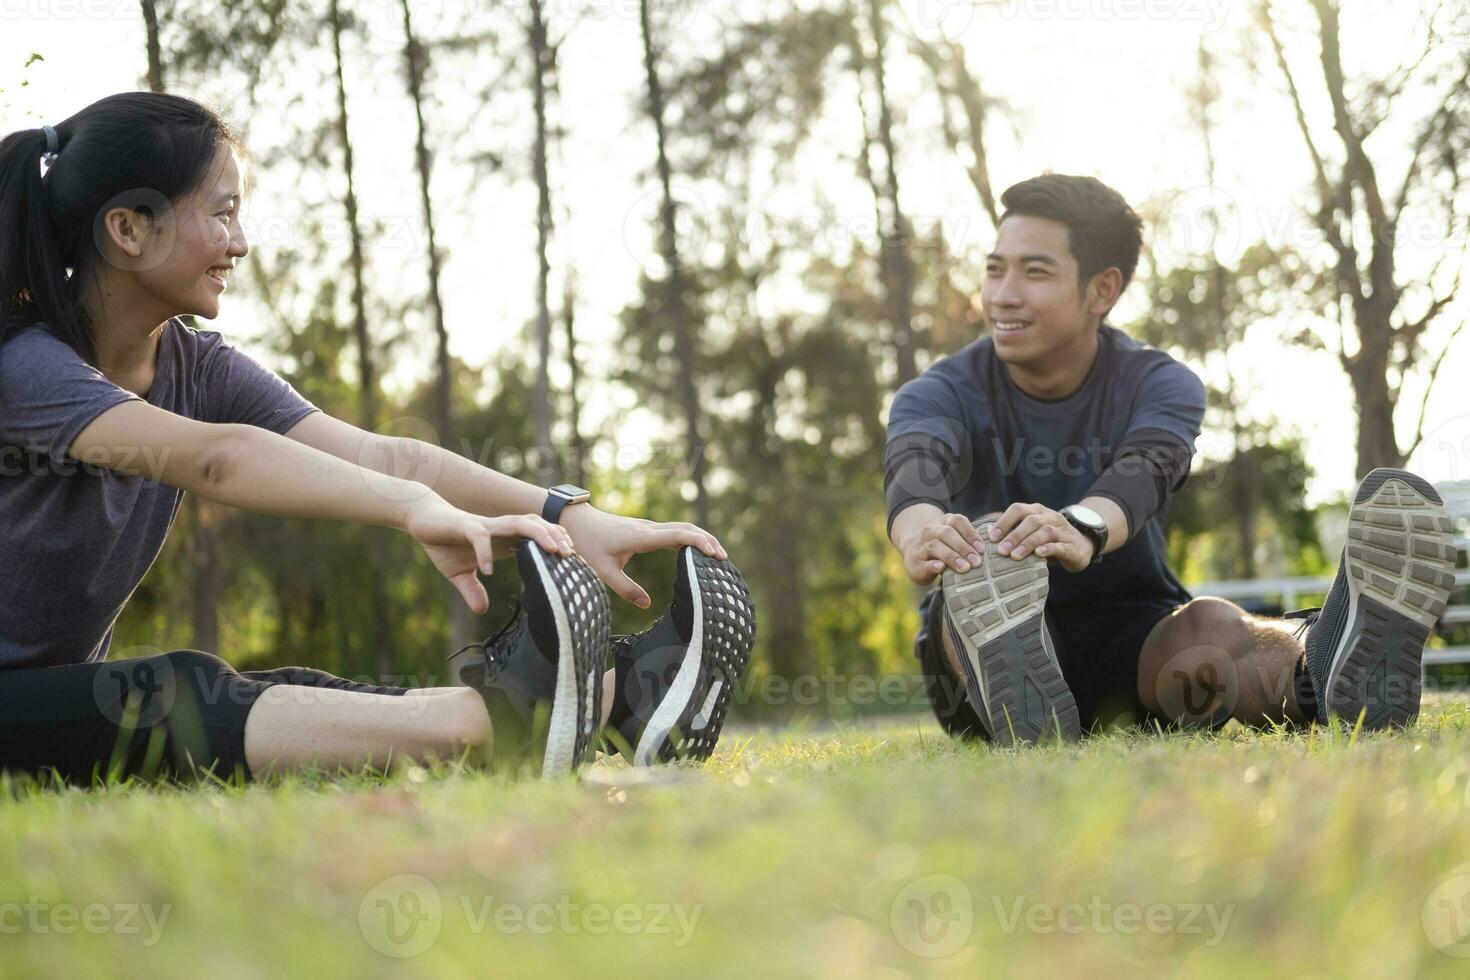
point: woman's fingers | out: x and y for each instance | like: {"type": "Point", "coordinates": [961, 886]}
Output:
{"type": "Point", "coordinates": [472, 592]}
{"type": "Point", "coordinates": [619, 582]}
{"type": "Point", "coordinates": [551, 537]}
{"type": "Point", "coordinates": [661, 536]}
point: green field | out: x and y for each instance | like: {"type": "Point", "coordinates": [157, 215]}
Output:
{"type": "Point", "coordinates": [882, 851]}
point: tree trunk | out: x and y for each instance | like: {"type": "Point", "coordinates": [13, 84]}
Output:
{"type": "Point", "coordinates": [541, 394]}
{"type": "Point", "coordinates": [953, 79]}
{"type": "Point", "coordinates": [202, 515]}
{"type": "Point", "coordinates": [461, 619]}
{"type": "Point", "coordinates": [676, 310]}
{"type": "Point", "coordinates": [155, 55]}
{"type": "Point", "coordinates": [367, 408]}
{"type": "Point", "coordinates": [204, 590]}
{"type": "Point", "coordinates": [897, 263]}
{"type": "Point", "coordinates": [577, 469]}
{"type": "Point", "coordinates": [1377, 443]}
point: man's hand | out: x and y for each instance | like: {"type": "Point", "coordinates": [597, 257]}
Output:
{"type": "Point", "coordinates": [606, 542]}
{"type": "Point", "coordinates": [1025, 528]}
{"type": "Point", "coordinates": [945, 541]}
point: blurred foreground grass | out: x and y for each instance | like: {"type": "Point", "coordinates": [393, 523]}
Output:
{"type": "Point", "coordinates": [885, 851]}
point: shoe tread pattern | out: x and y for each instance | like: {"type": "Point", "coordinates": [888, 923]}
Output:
{"type": "Point", "coordinates": [998, 612]}
{"type": "Point", "coordinates": [1399, 563]}
{"type": "Point", "coordinates": [589, 619]}
{"type": "Point", "coordinates": [729, 636]}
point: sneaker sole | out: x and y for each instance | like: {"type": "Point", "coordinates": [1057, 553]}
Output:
{"type": "Point", "coordinates": [997, 615]}
{"type": "Point", "coordinates": [1398, 567]}
{"type": "Point", "coordinates": [697, 701]}
{"type": "Point", "coordinates": [583, 629]}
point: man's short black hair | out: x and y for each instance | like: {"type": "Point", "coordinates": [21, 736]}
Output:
{"type": "Point", "coordinates": [1104, 231]}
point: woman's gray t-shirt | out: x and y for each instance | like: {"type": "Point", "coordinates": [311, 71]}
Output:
{"type": "Point", "coordinates": [76, 538]}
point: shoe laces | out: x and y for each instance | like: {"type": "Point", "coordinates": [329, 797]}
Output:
{"type": "Point", "coordinates": [1308, 618]}
{"type": "Point", "coordinates": [624, 644]}
{"type": "Point", "coordinates": [493, 647]}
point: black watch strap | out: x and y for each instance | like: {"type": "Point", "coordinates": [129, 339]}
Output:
{"type": "Point", "coordinates": [1098, 536]}
{"type": "Point", "coordinates": [551, 510]}
{"type": "Point", "coordinates": [557, 499]}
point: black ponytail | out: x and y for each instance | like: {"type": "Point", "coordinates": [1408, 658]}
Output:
{"type": "Point", "coordinates": [123, 151]}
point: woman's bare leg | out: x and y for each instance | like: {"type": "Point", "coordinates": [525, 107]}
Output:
{"type": "Point", "coordinates": [292, 727]}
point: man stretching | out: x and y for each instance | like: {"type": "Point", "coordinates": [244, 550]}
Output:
{"type": "Point", "coordinates": [1030, 474]}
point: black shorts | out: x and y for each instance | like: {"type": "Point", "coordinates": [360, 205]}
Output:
{"type": "Point", "coordinates": [172, 716]}
{"type": "Point", "coordinates": [1097, 646]}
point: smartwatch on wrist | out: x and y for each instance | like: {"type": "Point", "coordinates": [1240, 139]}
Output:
{"type": "Point", "coordinates": [1092, 526]}
{"type": "Point", "coordinates": [559, 497]}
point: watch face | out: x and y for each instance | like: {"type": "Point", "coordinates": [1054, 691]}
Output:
{"type": "Point", "coordinates": [570, 491]}
{"type": "Point", "coordinates": [1087, 516]}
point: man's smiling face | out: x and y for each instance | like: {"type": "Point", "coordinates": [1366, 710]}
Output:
{"type": "Point", "coordinates": [1031, 297]}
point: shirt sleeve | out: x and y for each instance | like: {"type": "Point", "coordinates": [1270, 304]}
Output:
{"type": "Point", "coordinates": [49, 394]}
{"type": "Point", "coordinates": [928, 453]}
{"type": "Point", "coordinates": [243, 391]}
{"type": "Point", "coordinates": [1170, 398]}
{"type": "Point", "coordinates": [1154, 458]}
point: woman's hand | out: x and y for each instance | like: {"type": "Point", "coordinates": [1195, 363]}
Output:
{"type": "Point", "coordinates": [606, 542]}
{"type": "Point", "coordinates": [460, 543]}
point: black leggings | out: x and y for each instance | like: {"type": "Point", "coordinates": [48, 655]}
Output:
{"type": "Point", "coordinates": [171, 716]}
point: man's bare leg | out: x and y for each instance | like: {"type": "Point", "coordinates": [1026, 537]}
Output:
{"type": "Point", "coordinates": [1210, 660]}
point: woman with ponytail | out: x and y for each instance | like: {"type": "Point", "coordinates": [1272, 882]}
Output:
{"type": "Point", "coordinates": [114, 223]}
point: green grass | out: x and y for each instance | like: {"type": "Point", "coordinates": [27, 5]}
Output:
{"type": "Point", "coordinates": [791, 854]}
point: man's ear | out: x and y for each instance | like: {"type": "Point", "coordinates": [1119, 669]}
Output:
{"type": "Point", "coordinates": [1103, 291]}
{"type": "Point", "coordinates": [127, 231]}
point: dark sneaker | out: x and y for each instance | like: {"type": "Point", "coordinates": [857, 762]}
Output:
{"type": "Point", "coordinates": [541, 673]}
{"type": "Point", "coordinates": [1365, 645]}
{"type": "Point", "coordinates": [676, 678]}
{"type": "Point", "coordinates": [944, 689]}
{"type": "Point", "coordinates": [996, 615]}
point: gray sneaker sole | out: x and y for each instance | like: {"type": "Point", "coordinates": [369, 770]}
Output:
{"type": "Point", "coordinates": [1399, 571]}
{"type": "Point", "coordinates": [996, 614]}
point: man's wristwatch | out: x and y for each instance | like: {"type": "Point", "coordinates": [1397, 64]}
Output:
{"type": "Point", "coordinates": [1092, 526]}
{"type": "Point", "coordinates": [559, 497]}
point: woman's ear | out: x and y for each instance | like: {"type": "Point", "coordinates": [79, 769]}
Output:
{"type": "Point", "coordinates": [126, 231]}
{"type": "Point", "coordinates": [135, 231]}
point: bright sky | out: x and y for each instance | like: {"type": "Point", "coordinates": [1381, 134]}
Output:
{"type": "Point", "coordinates": [1093, 86]}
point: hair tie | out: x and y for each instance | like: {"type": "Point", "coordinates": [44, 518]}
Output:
{"type": "Point", "coordinates": [53, 146]}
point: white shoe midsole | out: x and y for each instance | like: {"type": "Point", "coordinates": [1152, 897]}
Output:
{"type": "Point", "coordinates": [666, 715]}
